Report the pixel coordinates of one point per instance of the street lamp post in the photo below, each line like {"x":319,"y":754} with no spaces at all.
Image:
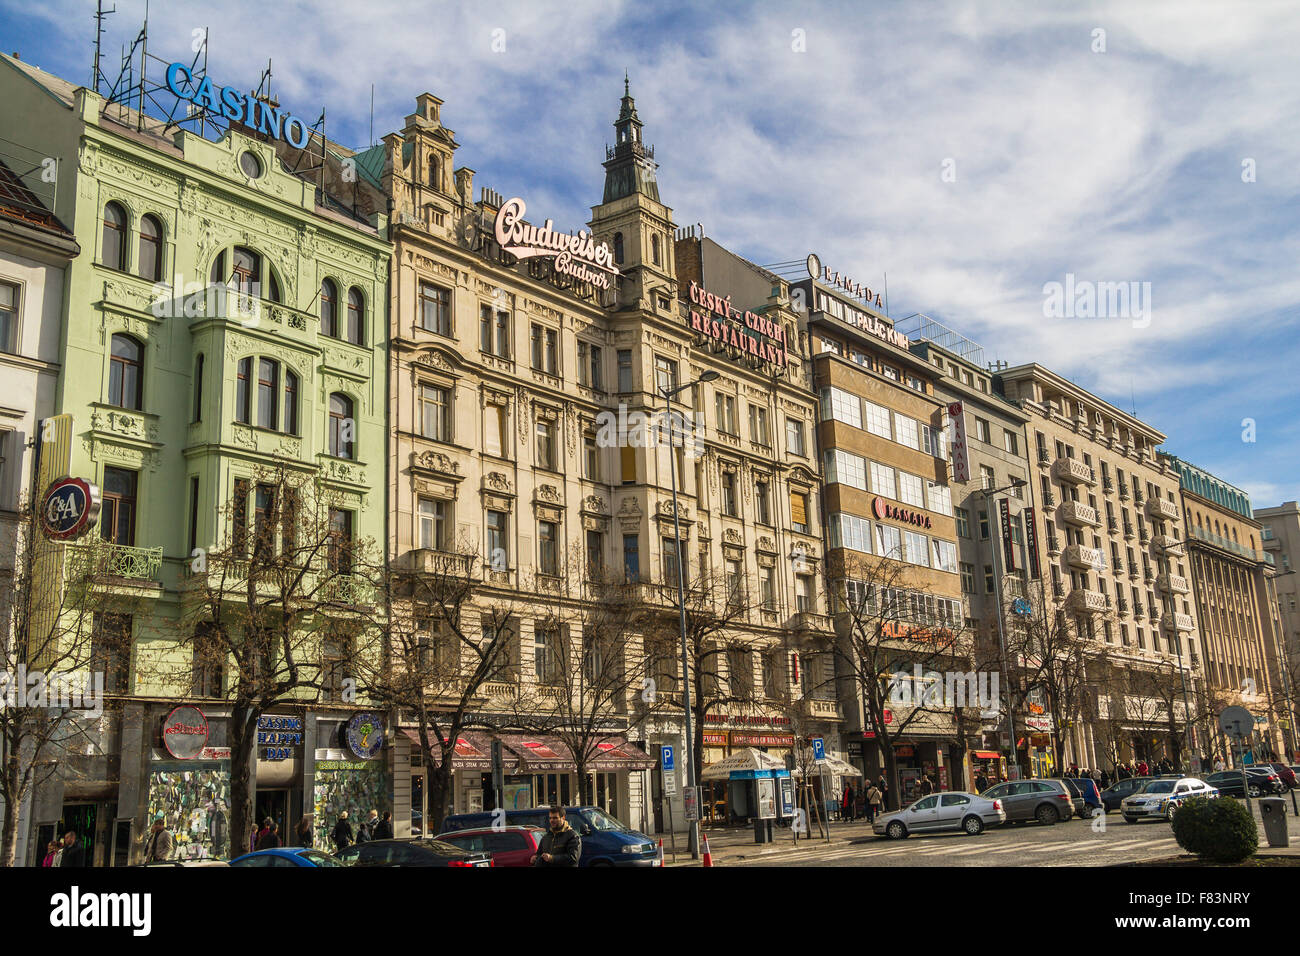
{"x":1288,"y":734}
{"x":997,"y":596}
{"x":693,"y":838}
{"x":1182,"y":671}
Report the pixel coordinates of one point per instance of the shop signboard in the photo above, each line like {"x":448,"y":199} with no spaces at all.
{"x":69,"y":507}
{"x":1008,"y":546}
{"x":365,"y":735}
{"x":766,"y":788}
{"x":1031,"y":543}
{"x":579,"y":255}
{"x":786,"y":786}
{"x":691,"y":800}
{"x":247,"y":108}
{"x":960,"y":452}
{"x":762,"y":740}
{"x":279,"y":735}
{"x":185,"y":732}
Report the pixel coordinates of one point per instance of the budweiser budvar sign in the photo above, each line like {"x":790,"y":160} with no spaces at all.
{"x":576,"y":254}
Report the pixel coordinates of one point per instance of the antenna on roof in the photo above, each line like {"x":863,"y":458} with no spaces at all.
{"x":372,"y":114}
{"x":100,"y":14}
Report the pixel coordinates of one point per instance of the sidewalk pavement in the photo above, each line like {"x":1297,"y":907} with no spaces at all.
{"x":730,"y":843}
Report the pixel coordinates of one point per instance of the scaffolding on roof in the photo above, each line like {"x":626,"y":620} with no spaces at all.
{"x":921,"y":326}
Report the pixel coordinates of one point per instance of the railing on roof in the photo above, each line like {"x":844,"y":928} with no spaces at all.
{"x":921,"y":326}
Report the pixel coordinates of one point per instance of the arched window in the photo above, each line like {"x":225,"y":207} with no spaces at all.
{"x":356,"y":315}
{"x":329,"y":318}
{"x":218,"y":274}
{"x":124,"y":372}
{"x":151,"y":251}
{"x":618,"y":248}
{"x":114,"y":244}
{"x":342,"y":427}
{"x":654,"y":249}
{"x":246,"y":270}
{"x":435,"y":170}
{"x":198,"y":389}
{"x":290,"y":401}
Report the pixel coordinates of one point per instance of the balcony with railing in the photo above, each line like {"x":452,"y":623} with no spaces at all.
{"x":1128,"y":529}
{"x":820,"y":708}
{"x":1078,"y":556}
{"x":1123,"y":492}
{"x":1178,"y":621}
{"x":1165,"y":541}
{"x":1162,"y":508}
{"x":1073,"y":471}
{"x":810,"y":621}
{"x":1173,"y":584}
{"x":1049,"y":499}
{"x":1112,"y":526}
{"x":1107,"y":485}
{"x":1086,"y":601}
{"x":1121,"y":605}
{"x":439,"y":563}
{"x":1053,"y":545}
{"x":106,"y":563}
{"x":1208,"y":537}
{"x":1077,"y":513}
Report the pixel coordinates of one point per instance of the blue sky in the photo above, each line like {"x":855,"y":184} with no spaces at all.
{"x":786,"y":128}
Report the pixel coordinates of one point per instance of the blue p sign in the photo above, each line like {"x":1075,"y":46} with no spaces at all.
{"x":819,"y":748}
{"x":666,"y":754}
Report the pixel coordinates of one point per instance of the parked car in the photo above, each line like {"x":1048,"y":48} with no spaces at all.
{"x":186,"y":863}
{"x":605,"y":841}
{"x":1047,"y":801}
{"x":1161,"y":797}
{"x":1287,"y":774}
{"x":1090,"y":793}
{"x":421,"y":852}
{"x":1117,"y":791}
{"x":955,"y":810}
{"x":1259,"y":782}
{"x":287,"y":856}
{"x":509,"y":846}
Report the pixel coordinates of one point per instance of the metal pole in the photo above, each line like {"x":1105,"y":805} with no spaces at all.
{"x":693,"y":838}
{"x":991,"y":509}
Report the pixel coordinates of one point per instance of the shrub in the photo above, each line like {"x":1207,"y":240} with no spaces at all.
{"x":1221,"y":830}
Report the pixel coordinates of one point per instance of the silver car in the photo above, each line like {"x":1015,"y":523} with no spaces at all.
{"x":956,"y":810}
{"x":1162,"y":796}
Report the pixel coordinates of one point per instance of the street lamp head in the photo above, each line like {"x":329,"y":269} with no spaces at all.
{"x":710,"y":376}
{"x":1018,"y":482}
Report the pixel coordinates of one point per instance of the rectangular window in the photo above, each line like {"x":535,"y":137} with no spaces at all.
{"x":503,"y":334}
{"x":767,"y":587}
{"x":967,"y":578}
{"x":590,"y":457}
{"x":842,"y":406}
{"x":495,"y":432}
{"x":243,"y":393}
{"x":938,"y":497}
{"x":987,"y":478}
{"x":497,"y":541}
{"x":905,"y":431}
{"x":963,"y":522}
{"x":850,"y":531}
{"x":988,"y":578}
{"x":194,"y":506}
{"x":546,"y":547}
{"x":546,"y":654}
{"x":729,"y":496}
{"x":877,"y":419}
{"x":339,"y":552}
{"x":665,"y":375}
{"x":110,"y":650}
{"x":758,"y":425}
{"x":794,"y":437}
{"x":8,"y":317}
{"x":918,"y":548}
{"x":546,"y":445}
{"x":632,"y":557}
{"x":799,"y":512}
{"x":485,"y":324}
{"x":625,"y":370}
{"x":1011,"y":442}
{"x":118,"y":503}
{"x":239,"y":516}
{"x":725,"y":407}
{"x":982,"y":430}
{"x":735,"y":583}
{"x":435,"y":309}
{"x":882,"y":480}
{"x":435,"y":413}
{"x":595,"y":554}
{"x":944,"y":555}
{"x":841,"y":466}
{"x":433,"y":524}
{"x":264,"y":519}
{"x":910,"y":490}
{"x":627,"y":464}
{"x":889,"y":542}
{"x":671,"y":553}
{"x":984,"y":525}
{"x":762,"y":502}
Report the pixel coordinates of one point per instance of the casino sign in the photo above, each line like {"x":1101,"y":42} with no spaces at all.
{"x":68,"y":508}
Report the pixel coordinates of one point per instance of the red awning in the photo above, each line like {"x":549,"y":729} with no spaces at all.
{"x":985,"y":754}
{"x":540,"y":753}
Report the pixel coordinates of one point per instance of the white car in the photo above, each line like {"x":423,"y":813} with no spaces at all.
{"x":1161,"y":797}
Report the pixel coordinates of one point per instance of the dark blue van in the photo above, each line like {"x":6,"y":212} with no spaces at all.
{"x":605,"y":841}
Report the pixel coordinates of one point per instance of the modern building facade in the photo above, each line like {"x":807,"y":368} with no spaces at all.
{"x":1240,"y":629}
{"x":1113,"y":547}
{"x":178,"y":403}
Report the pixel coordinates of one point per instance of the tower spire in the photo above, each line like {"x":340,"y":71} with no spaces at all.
{"x":629,"y":164}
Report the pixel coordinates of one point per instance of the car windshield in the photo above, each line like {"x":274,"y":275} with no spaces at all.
{"x":319,"y":858}
{"x":600,"y":820}
{"x":1160,"y":786}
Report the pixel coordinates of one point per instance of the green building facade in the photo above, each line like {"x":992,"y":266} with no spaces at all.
{"x":179,"y":399}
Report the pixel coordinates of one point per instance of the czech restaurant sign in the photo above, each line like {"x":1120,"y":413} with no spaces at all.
{"x":238,"y":107}
{"x":764,"y":339}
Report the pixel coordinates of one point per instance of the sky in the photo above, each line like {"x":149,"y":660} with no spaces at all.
{"x":971,"y":153}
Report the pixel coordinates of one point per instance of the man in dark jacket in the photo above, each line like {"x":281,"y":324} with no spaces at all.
{"x":342,"y":833}
{"x":384,"y":828}
{"x":561,"y":846}
{"x":73,"y":853}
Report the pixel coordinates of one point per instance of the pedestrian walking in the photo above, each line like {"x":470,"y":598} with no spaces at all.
{"x":261,"y":834}
{"x":306,"y":832}
{"x":51,"y":854}
{"x":884,"y":791}
{"x":365,"y":831}
{"x":927,"y":788}
{"x":981,"y":782}
{"x":874,"y":799}
{"x":219,"y":829}
{"x":161,"y":843}
{"x":270,"y":838}
{"x":561,"y":846}
{"x":846,"y":803}
{"x":1218,"y":764}
{"x":342,"y":833}
{"x":384,"y":828}
{"x":73,"y":854}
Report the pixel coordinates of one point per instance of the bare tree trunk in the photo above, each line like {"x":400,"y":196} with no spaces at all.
{"x":440,"y":790}
{"x":13,"y":805}
{"x":243,"y":741}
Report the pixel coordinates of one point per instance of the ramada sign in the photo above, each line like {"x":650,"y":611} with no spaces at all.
{"x":884,"y":509}
{"x":768,"y":343}
{"x":578,"y":255}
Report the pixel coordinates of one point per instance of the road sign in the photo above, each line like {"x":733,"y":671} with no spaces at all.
{"x":819,"y":748}
{"x":691,"y":799}
{"x":1237,"y":722}
{"x":666,"y":755}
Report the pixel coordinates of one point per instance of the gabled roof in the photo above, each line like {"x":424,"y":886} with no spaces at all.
{"x":20,"y":206}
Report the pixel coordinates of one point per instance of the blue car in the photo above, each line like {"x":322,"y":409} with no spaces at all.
{"x":605,"y":841}
{"x":1091,"y":795}
{"x":286,"y":856}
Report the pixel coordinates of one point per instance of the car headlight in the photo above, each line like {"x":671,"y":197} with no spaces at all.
{"x":638,"y":847}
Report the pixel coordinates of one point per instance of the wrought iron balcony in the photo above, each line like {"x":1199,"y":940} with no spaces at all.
{"x":1123,"y":492}
{"x":106,"y":562}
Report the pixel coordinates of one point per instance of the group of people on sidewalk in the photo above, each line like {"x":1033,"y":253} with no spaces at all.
{"x":372,"y":828}
{"x":864,"y":801}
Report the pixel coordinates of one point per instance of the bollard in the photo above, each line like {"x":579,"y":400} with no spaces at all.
{"x":1273,"y":812}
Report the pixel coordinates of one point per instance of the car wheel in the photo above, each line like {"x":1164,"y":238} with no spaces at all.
{"x":1047,"y":815}
{"x":896,"y":831}
{"x":973,"y":825}
{"x":1254,"y":791}
{"x":1129,"y":819}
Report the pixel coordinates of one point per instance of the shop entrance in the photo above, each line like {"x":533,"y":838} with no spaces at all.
{"x":417,"y":802}
{"x":83,"y":819}
{"x":274,"y":804}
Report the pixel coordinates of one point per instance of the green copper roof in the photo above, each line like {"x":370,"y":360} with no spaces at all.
{"x":370,"y":164}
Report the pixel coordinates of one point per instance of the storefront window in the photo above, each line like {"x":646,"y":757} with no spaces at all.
{"x":193,"y":798}
{"x":357,"y":786}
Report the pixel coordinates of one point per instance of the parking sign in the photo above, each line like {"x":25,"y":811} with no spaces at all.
{"x":819,"y":748}
{"x":667,"y":758}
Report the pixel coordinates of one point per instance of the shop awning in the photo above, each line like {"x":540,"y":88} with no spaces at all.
{"x":540,"y":753}
{"x":833,"y":766}
{"x":984,"y":755}
{"x":746,"y":759}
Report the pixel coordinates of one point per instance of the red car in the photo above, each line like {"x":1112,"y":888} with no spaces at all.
{"x":508,"y":846}
{"x":1285,"y":773}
